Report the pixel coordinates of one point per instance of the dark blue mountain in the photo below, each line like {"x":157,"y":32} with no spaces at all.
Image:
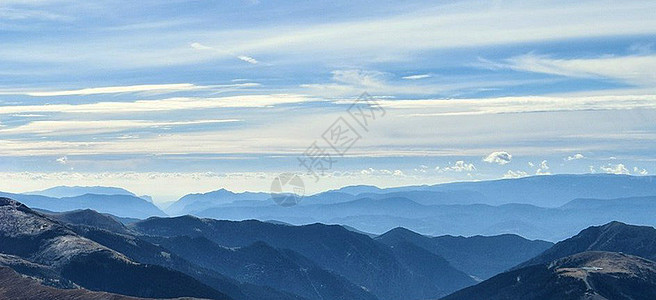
{"x":478,"y":256}
{"x":583,"y":276}
{"x":356,"y":257}
{"x":36,"y":239}
{"x":614,"y":237}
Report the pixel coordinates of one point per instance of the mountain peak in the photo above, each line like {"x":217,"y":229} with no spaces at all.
{"x":614,"y":236}
{"x":587,"y":275}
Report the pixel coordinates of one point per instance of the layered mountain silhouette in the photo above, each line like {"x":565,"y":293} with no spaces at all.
{"x":460,"y":208}
{"x":84,"y":253}
{"x":358,"y":258}
{"x":542,"y":207}
{"x":543,"y":191}
{"x":479,"y":256}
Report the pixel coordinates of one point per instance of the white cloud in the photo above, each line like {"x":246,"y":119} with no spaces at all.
{"x":515,"y":174}
{"x":576,"y":156}
{"x":248,"y":59}
{"x":640,"y":171}
{"x":525,"y":104}
{"x":459,"y":166}
{"x":636,"y":70}
{"x":418,"y":76}
{"x":499,"y":157}
{"x":169,"y":104}
{"x":62,"y":160}
{"x":117,"y":89}
{"x":57,"y":128}
{"x":543,"y":169}
{"x":381,"y":172}
{"x":615,"y":169}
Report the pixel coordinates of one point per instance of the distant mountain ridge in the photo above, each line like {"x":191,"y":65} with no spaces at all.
{"x":550,"y":207}
{"x":118,"y":205}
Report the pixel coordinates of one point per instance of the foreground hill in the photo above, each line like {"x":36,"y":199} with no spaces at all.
{"x":587,"y":275}
{"x":15,"y":286}
{"x":479,"y":256}
{"x":614,"y":236}
{"x":51,"y":252}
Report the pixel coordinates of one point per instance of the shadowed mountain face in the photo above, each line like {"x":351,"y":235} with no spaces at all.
{"x":47,"y":247}
{"x":98,"y":228}
{"x":91,"y":218}
{"x":264,"y":265}
{"x":479,"y":256}
{"x":15,"y":286}
{"x":614,"y":236}
{"x":118,"y":205}
{"x":386,"y":273}
{"x":587,"y":275}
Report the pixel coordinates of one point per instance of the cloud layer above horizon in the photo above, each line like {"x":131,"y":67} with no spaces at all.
{"x":470,"y":90}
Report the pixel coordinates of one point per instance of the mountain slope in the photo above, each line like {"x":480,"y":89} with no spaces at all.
{"x":137,"y":248}
{"x":479,"y":256}
{"x":13,"y":286}
{"x":587,"y":275}
{"x":614,"y":237}
{"x":264,"y":265}
{"x":356,"y":257}
{"x":40,"y":240}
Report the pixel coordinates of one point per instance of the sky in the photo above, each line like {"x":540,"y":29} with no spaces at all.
{"x":167,"y":98}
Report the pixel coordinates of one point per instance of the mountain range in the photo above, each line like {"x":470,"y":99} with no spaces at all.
{"x":567,"y":204}
{"x":540,"y":207}
{"x":87,"y":254}
{"x":121,"y":205}
{"x":226,"y":259}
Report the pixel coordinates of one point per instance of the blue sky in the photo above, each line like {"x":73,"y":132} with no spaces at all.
{"x":167,"y":98}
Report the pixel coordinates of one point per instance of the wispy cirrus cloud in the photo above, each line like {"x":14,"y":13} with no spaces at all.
{"x":632,"y":69}
{"x":418,"y":76}
{"x":248,"y":59}
{"x":78,"y":128}
{"x":115,"y":89}
{"x":160,"y":105}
